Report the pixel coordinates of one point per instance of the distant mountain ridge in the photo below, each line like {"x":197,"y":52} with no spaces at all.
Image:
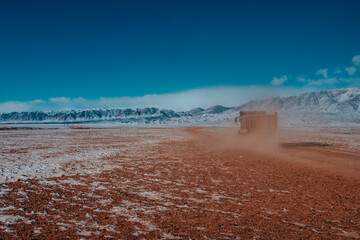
{"x":322,"y":107}
{"x":328,"y":106}
{"x":144,"y":115}
{"x":329,"y":101}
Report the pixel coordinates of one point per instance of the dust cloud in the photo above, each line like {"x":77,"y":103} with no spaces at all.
{"x":310,"y":148}
{"x":228,"y":138}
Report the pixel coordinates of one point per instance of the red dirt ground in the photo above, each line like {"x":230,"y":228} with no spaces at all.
{"x":208,"y":184}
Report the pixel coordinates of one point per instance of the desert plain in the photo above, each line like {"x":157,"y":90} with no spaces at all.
{"x":179,"y":183}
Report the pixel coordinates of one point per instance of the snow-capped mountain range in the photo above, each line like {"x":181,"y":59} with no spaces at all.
{"x":335,"y":106}
{"x":143,"y":115}
{"x":323,"y":107}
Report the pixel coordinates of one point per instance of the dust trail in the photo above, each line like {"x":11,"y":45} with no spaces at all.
{"x":228,"y":138}
{"x":318,"y":154}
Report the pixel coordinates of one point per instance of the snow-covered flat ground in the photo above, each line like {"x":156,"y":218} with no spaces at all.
{"x":174,"y":183}
{"x":55,"y":152}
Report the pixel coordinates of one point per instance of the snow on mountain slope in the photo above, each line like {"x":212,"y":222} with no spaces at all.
{"x":143,"y":116}
{"x":338,"y":106}
{"x":324,"y":107}
{"x":329,"y":101}
{"x":87,"y":115}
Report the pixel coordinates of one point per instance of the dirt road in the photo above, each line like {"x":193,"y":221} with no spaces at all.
{"x":198,"y":183}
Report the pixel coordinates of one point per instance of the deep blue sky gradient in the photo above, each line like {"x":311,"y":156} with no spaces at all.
{"x":95,"y":49}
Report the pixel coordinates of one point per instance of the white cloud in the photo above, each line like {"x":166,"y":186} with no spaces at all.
{"x":318,"y":82}
{"x":356,"y":60}
{"x":38,"y":101}
{"x":329,"y":80}
{"x":180,"y":101}
{"x":354,"y":81}
{"x":323,"y":72}
{"x":279,"y":81}
{"x":60,"y":100}
{"x":350,"y":70}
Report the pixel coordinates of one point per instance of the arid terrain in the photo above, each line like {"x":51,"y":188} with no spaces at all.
{"x":180,"y":183}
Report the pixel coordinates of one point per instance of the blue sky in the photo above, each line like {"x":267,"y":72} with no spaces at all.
{"x":75,"y":54}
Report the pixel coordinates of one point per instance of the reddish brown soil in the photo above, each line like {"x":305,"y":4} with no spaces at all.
{"x":210,"y":184}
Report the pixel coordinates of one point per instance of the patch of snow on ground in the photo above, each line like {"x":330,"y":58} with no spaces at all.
{"x":52,"y":153}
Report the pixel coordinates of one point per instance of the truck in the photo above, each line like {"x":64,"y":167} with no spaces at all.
{"x":257,"y":122}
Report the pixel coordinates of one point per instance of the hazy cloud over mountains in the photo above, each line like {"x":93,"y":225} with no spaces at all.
{"x":180,"y":101}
